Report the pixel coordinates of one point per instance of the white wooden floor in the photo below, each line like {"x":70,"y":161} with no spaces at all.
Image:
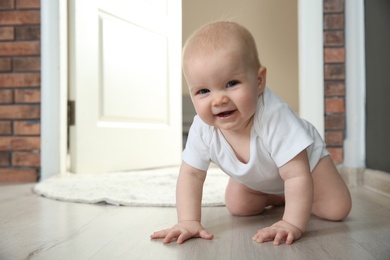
{"x":32,"y":227}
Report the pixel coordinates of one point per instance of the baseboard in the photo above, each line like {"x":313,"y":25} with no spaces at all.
{"x":374,"y":180}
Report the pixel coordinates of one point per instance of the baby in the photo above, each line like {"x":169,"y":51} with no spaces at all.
{"x":271,"y":155}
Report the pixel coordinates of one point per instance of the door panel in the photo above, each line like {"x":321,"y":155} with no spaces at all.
{"x":125,"y":78}
{"x":117,"y":85}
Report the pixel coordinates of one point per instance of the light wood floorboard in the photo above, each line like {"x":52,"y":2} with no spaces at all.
{"x":33,"y":227}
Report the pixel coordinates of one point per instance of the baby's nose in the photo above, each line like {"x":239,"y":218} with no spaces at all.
{"x":220,"y":99}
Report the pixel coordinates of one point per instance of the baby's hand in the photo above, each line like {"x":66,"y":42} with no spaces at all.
{"x":182,"y":231}
{"x":278,"y":232}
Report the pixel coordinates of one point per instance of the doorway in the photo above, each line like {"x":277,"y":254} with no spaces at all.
{"x":125,"y":80}
{"x":54,"y":73}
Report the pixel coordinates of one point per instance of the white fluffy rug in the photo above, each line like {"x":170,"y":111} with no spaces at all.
{"x":142,"y":188}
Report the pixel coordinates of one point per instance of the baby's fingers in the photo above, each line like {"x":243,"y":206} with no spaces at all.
{"x":160,"y":234}
{"x":264,"y":235}
{"x":183,"y":236}
{"x":167,"y":234}
{"x":187,"y":235}
{"x":282,"y":235}
{"x":286,"y":236}
{"x":290,"y":238}
{"x":206,"y":235}
{"x":277,"y":235}
{"x":180,"y":235}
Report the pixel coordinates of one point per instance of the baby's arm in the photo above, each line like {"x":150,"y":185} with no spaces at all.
{"x":188,"y":199}
{"x":298,"y":187}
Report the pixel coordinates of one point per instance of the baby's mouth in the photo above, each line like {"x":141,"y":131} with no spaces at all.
{"x":225,"y":113}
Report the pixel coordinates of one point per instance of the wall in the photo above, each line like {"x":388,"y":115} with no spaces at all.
{"x":274,"y":26}
{"x":334,"y":76}
{"x":377,"y":22}
{"x":19,"y":90}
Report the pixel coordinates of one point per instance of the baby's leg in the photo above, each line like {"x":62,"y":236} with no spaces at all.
{"x":332,"y":199}
{"x":243,"y":201}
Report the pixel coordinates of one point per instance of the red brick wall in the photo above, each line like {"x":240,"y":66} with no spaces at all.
{"x":334,"y":76}
{"x":19,"y":90}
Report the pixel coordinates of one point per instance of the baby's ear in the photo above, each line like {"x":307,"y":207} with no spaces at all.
{"x":261,"y":79}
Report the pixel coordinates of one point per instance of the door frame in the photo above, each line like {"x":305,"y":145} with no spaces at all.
{"x":355,"y":141}
{"x":311,"y":63}
{"x":54,"y":79}
{"x":54,"y":87}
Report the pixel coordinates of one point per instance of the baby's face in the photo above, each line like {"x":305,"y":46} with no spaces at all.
{"x":224,"y":88}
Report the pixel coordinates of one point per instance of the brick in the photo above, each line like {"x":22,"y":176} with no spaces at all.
{"x":334,"y":72}
{"x":5,"y":64}
{"x":333,"y":21}
{"x":27,"y":95}
{"x":12,"y":143}
{"x":5,"y":128}
{"x":26,"y":159}
{"x":27,"y":4}
{"x":5,"y":159}
{"x":19,"y":17}
{"x":27,"y":64}
{"x":7,"y":33}
{"x":333,"y":38}
{"x":6,"y":4}
{"x":334,"y":138}
{"x":20,"y":36}
{"x":334,"y":105}
{"x":335,"y":121}
{"x":6,"y":96}
{"x":28,"y":33}
{"x":20,"y":48}
{"x":32,"y":127}
{"x":19,"y":111}
{"x":334,"y":55}
{"x":336,"y":154}
{"x":12,"y":175}
{"x":333,"y":6}
{"x":20,"y":80}
{"x":334,"y":88}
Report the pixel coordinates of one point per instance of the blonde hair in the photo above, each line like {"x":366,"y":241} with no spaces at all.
{"x":222,"y":34}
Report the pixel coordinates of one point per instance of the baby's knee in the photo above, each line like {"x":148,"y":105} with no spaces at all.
{"x":343,"y":209}
{"x":335,"y":210}
{"x":241,"y":210}
{"x":241,"y":201}
{"x":339,"y":215}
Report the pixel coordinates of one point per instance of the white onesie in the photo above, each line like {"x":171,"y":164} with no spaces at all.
{"x":277,"y":136}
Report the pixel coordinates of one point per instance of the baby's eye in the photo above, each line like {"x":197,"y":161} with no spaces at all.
{"x":203,"y":91}
{"x":231,"y":83}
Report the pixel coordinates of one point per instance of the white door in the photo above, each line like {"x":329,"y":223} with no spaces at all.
{"x":125,"y":79}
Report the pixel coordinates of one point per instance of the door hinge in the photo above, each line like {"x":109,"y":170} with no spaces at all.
{"x":71,"y":113}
